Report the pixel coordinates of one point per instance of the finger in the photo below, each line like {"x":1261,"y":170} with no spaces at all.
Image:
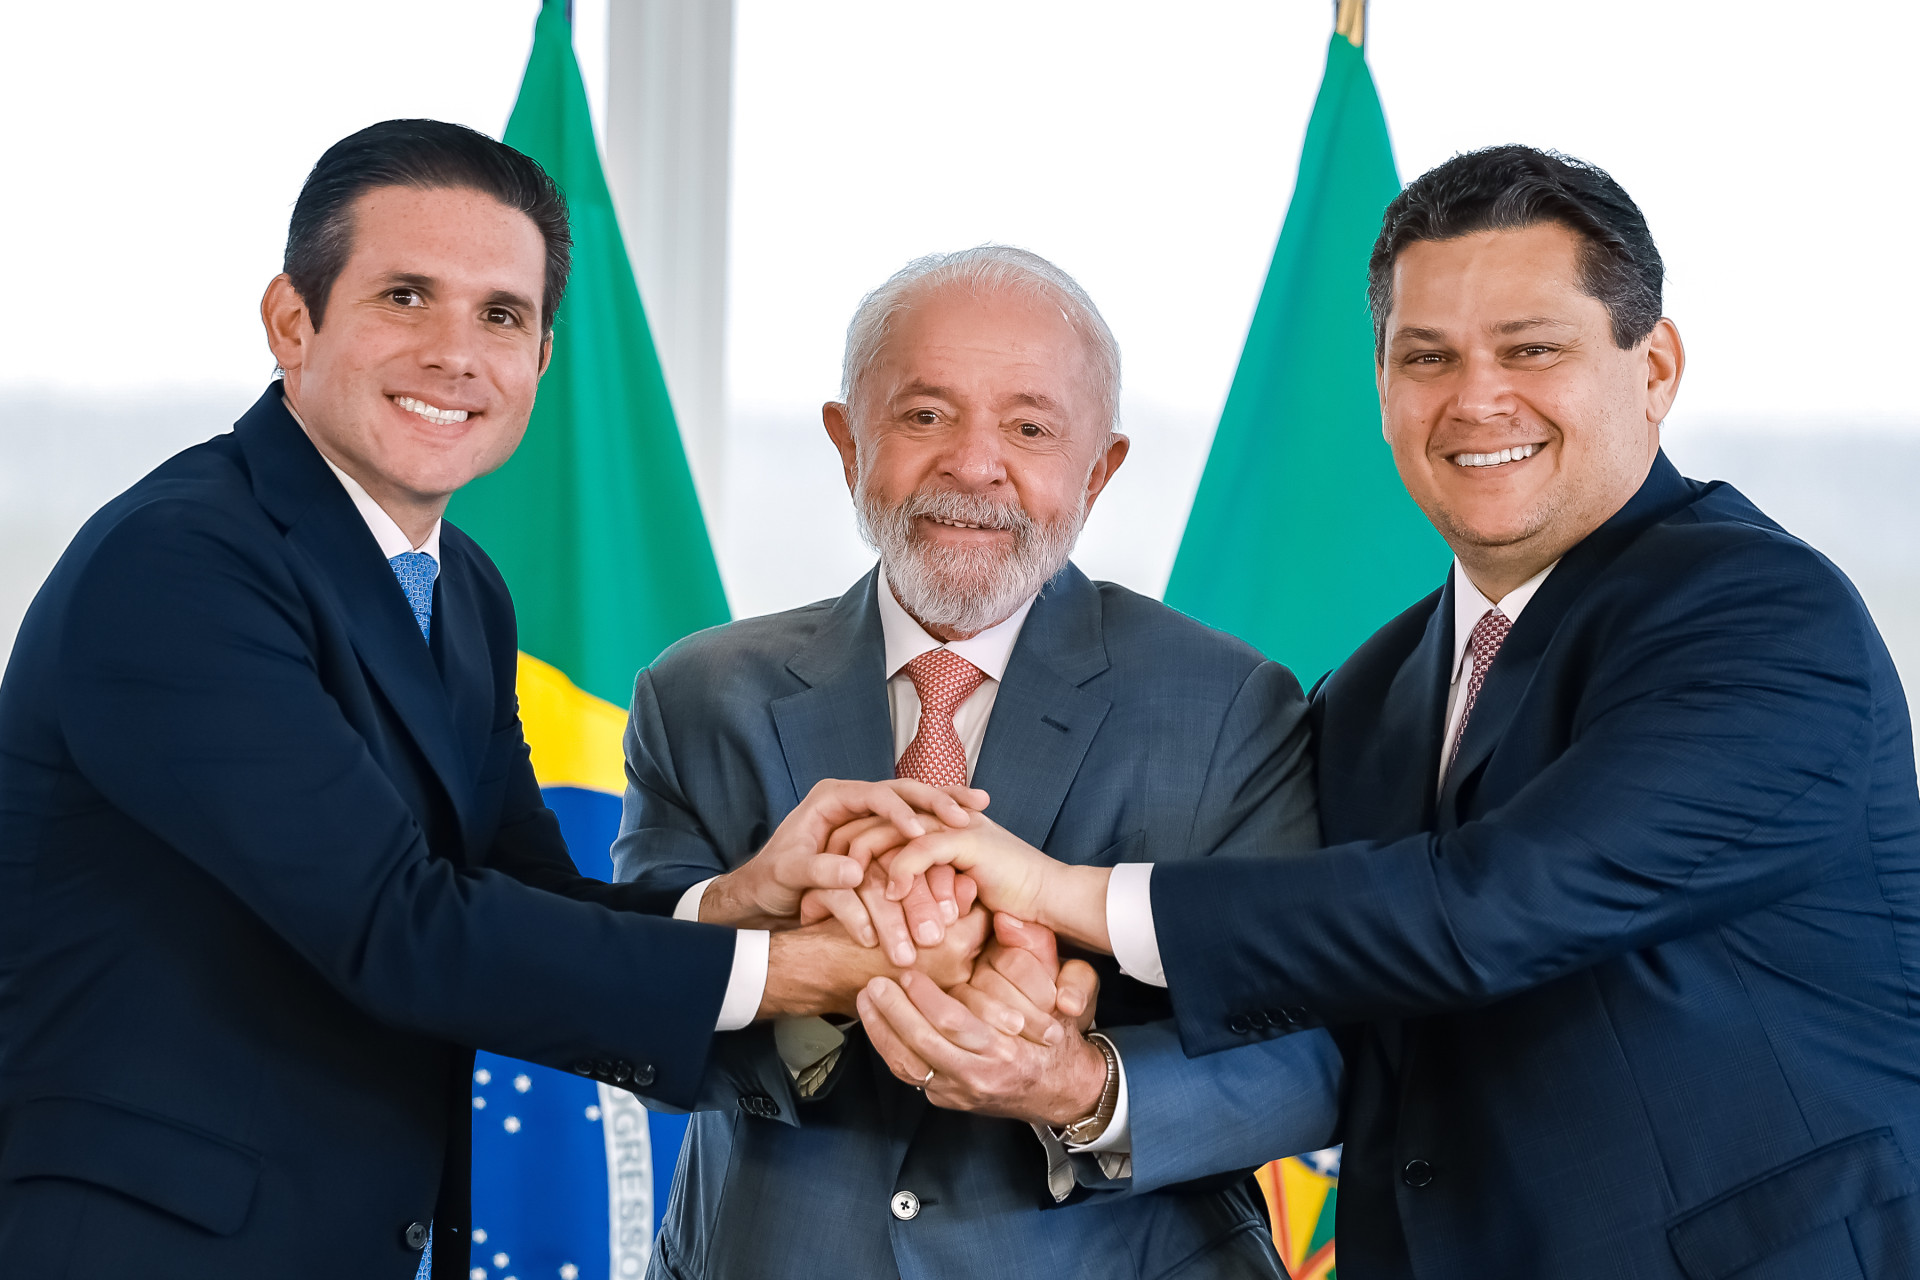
{"x":927,"y":851}
{"x":940,"y":884}
{"x":900,"y":1060}
{"x":1079,"y":992}
{"x":875,"y":842}
{"x":1003,"y":1018}
{"x":919,"y":1036}
{"x":923,"y":913}
{"x":845,"y":906}
{"x":1036,"y":940}
{"x":953,"y":1019}
{"x":826,"y":871}
{"x":843,"y":836}
{"x":889,"y":919}
{"x":965,"y":892}
{"x":1024,"y":970}
{"x":944,"y":803}
{"x":1035,"y":1021}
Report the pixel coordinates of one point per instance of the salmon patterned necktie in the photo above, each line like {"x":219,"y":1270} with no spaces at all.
{"x":944,"y":680}
{"x":1488,"y":635}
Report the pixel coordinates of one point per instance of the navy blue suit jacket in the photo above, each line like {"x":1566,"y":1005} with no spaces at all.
{"x":1120,"y":727}
{"x":265,"y":859}
{"x":1639,"y":993}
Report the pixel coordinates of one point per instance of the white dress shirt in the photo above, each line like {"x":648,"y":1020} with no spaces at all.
{"x":1136,"y":944}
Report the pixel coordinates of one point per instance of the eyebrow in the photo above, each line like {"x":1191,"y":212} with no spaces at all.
{"x":1416,"y":333}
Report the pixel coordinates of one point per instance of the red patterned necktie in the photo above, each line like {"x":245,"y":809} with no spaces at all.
{"x":943,"y":679}
{"x":1488,"y":635}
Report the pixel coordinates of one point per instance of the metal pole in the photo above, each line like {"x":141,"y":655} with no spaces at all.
{"x":1350,"y":20}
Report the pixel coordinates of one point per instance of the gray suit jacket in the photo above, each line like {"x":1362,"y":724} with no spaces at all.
{"x":1122,"y":731}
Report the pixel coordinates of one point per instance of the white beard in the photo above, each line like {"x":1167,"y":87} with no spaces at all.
{"x":965,"y":590}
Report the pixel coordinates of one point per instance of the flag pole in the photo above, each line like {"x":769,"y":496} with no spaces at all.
{"x":1350,"y":20}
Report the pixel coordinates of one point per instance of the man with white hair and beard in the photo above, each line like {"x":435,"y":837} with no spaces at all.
{"x":976,"y":429}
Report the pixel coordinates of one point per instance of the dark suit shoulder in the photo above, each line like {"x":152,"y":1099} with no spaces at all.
{"x":202,"y":492}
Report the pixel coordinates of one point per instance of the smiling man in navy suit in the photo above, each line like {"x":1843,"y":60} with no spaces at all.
{"x":1619,"y":926}
{"x":272,"y":857}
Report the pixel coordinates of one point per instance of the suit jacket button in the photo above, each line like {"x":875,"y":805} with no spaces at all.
{"x":1416,"y":1173}
{"x":622,"y":1072}
{"x":415,"y":1236}
{"x":643,"y":1075}
{"x":1239,"y":1024}
{"x":905,"y":1205}
{"x":1296,"y":1014}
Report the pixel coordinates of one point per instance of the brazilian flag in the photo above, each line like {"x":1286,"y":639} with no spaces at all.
{"x":597,"y":528}
{"x":1302,"y":540}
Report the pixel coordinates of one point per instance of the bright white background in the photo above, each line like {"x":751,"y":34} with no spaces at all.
{"x":155,"y":151}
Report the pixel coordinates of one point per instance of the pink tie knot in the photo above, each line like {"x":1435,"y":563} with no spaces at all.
{"x":944,"y":680}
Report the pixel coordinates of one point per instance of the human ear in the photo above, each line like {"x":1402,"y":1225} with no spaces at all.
{"x":283,"y":312}
{"x":1106,"y":464}
{"x":1666,"y":362}
{"x":546,"y":355}
{"x":839,"y":426}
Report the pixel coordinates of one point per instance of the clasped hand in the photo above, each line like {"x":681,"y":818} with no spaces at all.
{"x":992,"y":1025}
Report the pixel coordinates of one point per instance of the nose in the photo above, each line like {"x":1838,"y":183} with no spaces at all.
{"x":974,"y":459}
{"x":449,"y":343}
{"x":1484,"y":392}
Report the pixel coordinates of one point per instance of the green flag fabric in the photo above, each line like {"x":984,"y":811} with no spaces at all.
{"x":1301,"y":539}
{"x":596,"y":526}
{"x":594,"y":521}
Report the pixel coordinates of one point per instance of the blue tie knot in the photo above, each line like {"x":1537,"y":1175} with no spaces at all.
{"x":416,"y":571}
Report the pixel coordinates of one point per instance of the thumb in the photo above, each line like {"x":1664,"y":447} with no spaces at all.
{"x":1015,"y":932}
{"x":1079,"y":988}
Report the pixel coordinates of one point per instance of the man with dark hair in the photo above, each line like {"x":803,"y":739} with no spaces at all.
{"x":1619,"y":927}
{"x":272,"y":856}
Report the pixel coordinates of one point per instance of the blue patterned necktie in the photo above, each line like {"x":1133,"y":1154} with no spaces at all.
{"x":416,"y":571}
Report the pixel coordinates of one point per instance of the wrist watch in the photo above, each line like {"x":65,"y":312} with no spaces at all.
{"x":1081,"y":1132}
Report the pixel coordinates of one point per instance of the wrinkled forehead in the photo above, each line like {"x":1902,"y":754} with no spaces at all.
{"x":1005,"y":345}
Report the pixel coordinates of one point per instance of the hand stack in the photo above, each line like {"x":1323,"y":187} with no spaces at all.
{"x":975,"y":1007}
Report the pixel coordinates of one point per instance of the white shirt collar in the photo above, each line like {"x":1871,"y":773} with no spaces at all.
{"x":1469,"y":606}
{"x":906,"y":639}
{"x":393,"y":541}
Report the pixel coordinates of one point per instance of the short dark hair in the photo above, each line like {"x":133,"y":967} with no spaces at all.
{"x":1511,"y":187}
{"x":426,"y":155}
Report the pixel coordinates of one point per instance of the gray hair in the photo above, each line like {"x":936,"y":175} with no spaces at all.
{"x":985,"y":269}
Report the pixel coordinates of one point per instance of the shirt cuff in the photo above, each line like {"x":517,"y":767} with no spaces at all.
{"x":688,"y":908}
{"x":1136,"y":944}
{"x":1118,"y":1135}
{"x":749,"y":981}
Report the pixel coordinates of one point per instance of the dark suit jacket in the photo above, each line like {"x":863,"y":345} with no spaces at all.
{"x":1640,"y":994}
{"x":1121,"y":726}
{"x":261,"y":863}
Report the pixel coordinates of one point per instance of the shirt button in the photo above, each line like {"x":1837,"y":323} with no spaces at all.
{"x":1416,"y":1173}
{"x":905,"y":1206}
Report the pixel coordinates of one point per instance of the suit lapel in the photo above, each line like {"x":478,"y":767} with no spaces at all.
{"x":1043,"y":721}
{"x":839,"y":726}
{"x":1663,"y":492}
{"x":1412,"y":725}
{"x":465,"y":665}
{"x":296,"y":488}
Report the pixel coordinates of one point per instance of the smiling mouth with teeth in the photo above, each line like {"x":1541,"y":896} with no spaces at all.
{"x":432,"y":413}
{"x":1495,"y":459}
{"x":957,"y":524}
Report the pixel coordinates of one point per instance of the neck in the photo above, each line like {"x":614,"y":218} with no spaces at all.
{"x":415,"y":515}
{"x":1496,"y":579}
